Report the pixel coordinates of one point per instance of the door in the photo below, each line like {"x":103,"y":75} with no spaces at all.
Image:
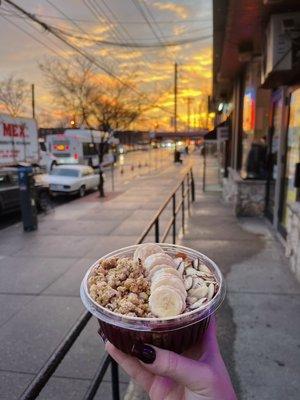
{"x":273,"y":154}
{"x":290,"y":193}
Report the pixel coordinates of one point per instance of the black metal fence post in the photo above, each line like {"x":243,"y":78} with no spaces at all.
{"x":182,"y":206}
{"x":92,"y":390}
{"x":174,"y":217}
{"x":115,"y":380}
{"x":157,"y":230}
{"x":192,"y":185}
{"x":204,"y":168}
{"x":188,"y":192}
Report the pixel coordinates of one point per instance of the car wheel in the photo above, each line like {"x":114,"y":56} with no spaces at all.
{"x":82,"y":191}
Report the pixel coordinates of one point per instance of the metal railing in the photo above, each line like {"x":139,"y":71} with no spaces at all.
{"x":186,"y":191}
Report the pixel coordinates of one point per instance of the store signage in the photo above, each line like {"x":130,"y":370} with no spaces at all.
{"x":14,"y":130}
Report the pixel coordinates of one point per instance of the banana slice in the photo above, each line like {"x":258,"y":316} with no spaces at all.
{"x":165,"y":302}
{"x":163,"y":269}
{"x":183,"y":296}
{"x":158,"y":259}
{"x":145,"y":250}
{"x":168,"y":280}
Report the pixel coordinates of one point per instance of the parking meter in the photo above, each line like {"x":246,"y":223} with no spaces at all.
{"x":27,"y":198}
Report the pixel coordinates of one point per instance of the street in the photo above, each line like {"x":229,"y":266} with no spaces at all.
{"x":129,"y":166}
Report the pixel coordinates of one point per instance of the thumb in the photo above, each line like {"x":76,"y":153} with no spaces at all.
{"x":179,"y":368}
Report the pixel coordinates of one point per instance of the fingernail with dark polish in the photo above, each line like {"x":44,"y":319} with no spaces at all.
{"x":144,"y":353}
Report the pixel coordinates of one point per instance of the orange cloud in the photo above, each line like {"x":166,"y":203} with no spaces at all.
{"x":180,"y":10}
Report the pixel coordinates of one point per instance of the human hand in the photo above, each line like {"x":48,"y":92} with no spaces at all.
{"x":197,"y":374}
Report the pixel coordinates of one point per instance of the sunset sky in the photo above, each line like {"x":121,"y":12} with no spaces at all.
{"x":122,"y":21}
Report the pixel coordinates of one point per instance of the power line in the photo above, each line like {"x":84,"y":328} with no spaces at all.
{"x":74,"y":23}
{"x":30,"y":35}
{"x":135,"y":45}
{"x":49,"y":29}
{"x":37,"y":30}
{"x":125,"y":22}
{"x":99,"y":13}
{"x":144,"y":15}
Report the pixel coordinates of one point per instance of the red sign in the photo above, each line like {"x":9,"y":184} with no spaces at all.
{"x":13,"y":130}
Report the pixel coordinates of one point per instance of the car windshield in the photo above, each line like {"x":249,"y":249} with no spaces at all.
{"x":65,"y":172}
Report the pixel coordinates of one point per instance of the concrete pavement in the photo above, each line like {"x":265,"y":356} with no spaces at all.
{"x":259,"y":322}
{"x":40,"y":274}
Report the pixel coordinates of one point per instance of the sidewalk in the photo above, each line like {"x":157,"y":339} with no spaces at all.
{"x":40,"y":274}
{"x":259,"y":322}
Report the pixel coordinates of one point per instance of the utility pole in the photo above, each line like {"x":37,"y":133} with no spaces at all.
{"x":188,"y":113}
{"x":207,"y":110}
{"x":32,"y":100}
{"x":195,"y":121}
{"x":175,"y":98}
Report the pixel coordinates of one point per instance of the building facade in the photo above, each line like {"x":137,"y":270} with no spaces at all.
{"x":256,"y":80}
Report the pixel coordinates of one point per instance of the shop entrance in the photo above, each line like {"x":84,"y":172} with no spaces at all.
{"x":274,"y":140}
{"x":290,"y":191}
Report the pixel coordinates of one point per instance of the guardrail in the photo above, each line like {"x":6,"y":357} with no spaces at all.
{"x":186,"y":189}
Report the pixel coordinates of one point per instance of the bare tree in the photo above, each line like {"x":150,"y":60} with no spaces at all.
{"x":72,"y":88}
{"x":95,"y":100}
{"x":13,"y":94}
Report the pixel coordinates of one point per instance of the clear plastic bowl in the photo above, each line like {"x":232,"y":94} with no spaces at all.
{"x":172,"y":333}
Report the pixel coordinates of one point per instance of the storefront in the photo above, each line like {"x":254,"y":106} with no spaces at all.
{"x":291,"y":190}
{"x":256,"y":68}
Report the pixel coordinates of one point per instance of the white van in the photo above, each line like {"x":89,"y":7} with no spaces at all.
{"x":74,"y":146}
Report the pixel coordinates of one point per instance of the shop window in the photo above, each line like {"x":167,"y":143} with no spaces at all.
{"x":291,"y":193}
{"x":254,"y":133}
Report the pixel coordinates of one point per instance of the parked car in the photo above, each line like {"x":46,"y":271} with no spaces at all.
{"x":72,"y":179}
{"x":10,"y":194}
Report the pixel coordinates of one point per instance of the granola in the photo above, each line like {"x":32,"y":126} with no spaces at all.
{"x":120,"y":285}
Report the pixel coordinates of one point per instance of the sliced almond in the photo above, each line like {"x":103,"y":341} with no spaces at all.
{"x":191,"y":300}
{"x":197,"y":281}
{"x":199,"y":292}
{"x":177,"y":261}
{"x":181,"y":267}
{"x":198,"y":303}
{"x":191,"y":271}
{"x":205,"y":269}
{"x":210,"y":291}
{"x":196,"y":263}
{"x":188,"y":282}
